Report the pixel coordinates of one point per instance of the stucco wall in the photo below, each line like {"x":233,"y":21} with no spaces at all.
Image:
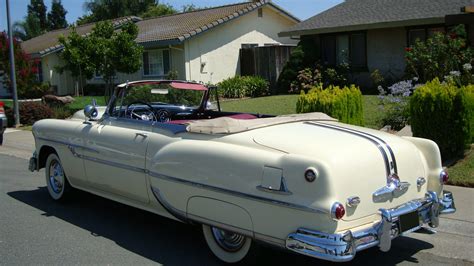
{"x":219,"y":48}
{"x":64,"y":82}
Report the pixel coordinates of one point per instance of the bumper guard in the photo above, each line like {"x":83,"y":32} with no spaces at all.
{"x":343,"y":246}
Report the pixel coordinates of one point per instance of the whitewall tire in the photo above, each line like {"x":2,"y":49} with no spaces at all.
{"x":227,"y":246}
{"x":56,"y":180}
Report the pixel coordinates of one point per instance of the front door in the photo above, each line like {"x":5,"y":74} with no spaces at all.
{"x":115,"y":158}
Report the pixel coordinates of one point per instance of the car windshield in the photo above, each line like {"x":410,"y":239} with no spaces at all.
{"x":163,"y":94}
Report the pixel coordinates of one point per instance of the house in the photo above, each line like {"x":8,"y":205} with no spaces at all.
{"x":373,"y":34}
{"x":201,"y":45}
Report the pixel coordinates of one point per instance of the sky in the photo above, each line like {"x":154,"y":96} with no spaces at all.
{"x":302,"y":9}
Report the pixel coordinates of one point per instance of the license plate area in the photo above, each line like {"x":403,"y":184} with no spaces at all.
{"x":409,"y":222}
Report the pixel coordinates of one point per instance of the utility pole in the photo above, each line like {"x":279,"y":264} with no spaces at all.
{"x":12,"y":68}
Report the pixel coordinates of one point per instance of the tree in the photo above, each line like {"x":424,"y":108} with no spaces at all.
{"x":110,"y":9}
{"x":25,"y":67}
{"x":57,"y":16}
{"x":104,"y":51}
{"x":37,"y":8}
{"x":28,"y":28}
{"x":34,"y":23}
{"x":159,"y":10}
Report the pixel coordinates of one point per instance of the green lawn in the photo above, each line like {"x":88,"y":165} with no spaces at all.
{"x":462,"y":173}
{"x":286,"y":104}
{"x":80,"y":102}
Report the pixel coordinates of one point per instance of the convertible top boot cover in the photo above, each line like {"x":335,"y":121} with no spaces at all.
{"x":226,"y":125}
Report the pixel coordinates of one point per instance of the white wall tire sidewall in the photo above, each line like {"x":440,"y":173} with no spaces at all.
{"x":228,"y":257}
{"x":52,"y":193}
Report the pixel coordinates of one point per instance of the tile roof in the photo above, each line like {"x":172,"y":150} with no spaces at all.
{"x":360,"y":14}
{"x":164,"y":30}
{"x":48,"y":42}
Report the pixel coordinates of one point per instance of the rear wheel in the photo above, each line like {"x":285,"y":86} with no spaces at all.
{"x":228,"y":246}
{"x":56,"y":181}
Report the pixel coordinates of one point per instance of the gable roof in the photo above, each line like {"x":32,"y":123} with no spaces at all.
{"x":370,"y":14}
{"x":163,"y":30}
{"x":48,"y":42}
{"x":176,"y":28}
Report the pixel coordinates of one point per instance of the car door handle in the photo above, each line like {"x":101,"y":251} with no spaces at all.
{"x":141,"y":134}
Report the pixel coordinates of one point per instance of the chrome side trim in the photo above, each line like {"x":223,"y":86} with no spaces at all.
{"x":359,"y":134}
{"x":180,"y":215}
{"x":106,"y":162}
{"x":237,"y":194}
{"x":69,"y":144}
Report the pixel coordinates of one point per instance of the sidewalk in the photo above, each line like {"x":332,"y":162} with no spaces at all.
{"x":18,"y":143}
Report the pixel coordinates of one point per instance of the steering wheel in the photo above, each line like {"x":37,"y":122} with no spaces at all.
{"x":163,"y":115}
{"x":148,"y":115}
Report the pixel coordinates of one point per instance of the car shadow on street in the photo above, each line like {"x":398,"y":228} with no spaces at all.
{"x":170,"y":242}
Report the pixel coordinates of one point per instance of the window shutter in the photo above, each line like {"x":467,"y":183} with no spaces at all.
{"x":166,"y":61}
{"x":146,"y":65}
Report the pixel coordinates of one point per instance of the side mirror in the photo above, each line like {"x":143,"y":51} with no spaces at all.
{"x":90,"y":111}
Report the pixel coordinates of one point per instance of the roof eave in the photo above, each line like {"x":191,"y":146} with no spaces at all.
{"x":372,"y":26}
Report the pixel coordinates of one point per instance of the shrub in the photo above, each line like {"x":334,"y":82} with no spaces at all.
{"x":344,"y":104}
{"x":309,"y":78}
{"x":394,"y":101}
{"x":30,"y":112}
{"x":303,"y":56}
{"x":34,"y":91}
{"x":441,"y":55}
{"x":443,"y":113}
{"x":246,"y":86}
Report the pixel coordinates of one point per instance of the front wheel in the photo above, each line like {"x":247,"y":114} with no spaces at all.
{"x":56,"y":181}
{"x":228,"y":246}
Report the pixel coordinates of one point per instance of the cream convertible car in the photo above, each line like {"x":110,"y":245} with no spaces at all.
{"x":305,"y":183}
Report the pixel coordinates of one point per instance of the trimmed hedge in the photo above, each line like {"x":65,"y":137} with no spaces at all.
{"x":30,"y":112}
{"x":246,"y":86}
{"x":445,"y":114}
{"x":344,"y":104}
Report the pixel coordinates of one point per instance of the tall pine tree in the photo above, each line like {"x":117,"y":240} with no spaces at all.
{"x":37,"y":8}
{"x":57,"y":16}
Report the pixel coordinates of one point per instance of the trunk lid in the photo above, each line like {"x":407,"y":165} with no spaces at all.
{"x":357,"y":158}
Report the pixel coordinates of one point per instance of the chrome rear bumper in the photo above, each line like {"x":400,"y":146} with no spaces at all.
{"x":343,"y":246}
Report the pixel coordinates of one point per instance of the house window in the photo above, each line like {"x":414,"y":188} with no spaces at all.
{"x":260,"y":13}
{"x":156,"y":62}
{"x":421,"y":34}
{"x":416,"y":35}
{"x":348,"y":48}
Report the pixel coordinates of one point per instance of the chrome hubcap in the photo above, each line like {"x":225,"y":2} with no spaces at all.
{"x":229,"y":241}
{"x":56,"y":177}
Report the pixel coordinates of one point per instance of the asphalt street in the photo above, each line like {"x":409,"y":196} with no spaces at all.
{"x":91,"y":230}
